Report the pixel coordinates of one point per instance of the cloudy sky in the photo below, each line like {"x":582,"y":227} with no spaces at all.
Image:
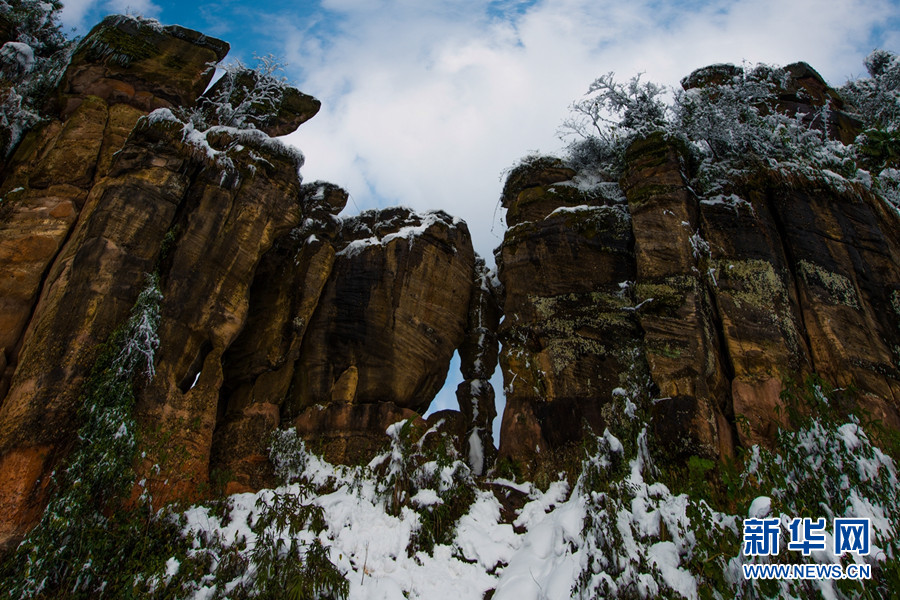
{"x":425,"y":103}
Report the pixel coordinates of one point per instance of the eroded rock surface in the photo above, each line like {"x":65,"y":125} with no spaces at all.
{"x":723,"y":302}
{"x":276,"y":312}
{"x":569,"y":331}
{"x":96,"y":200}
{"x":391,"y":315}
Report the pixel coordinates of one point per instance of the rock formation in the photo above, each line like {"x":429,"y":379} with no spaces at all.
{"x":366,"y":342}
{"x":276,"y":312}
{"x":77,"y":235}
{"x":566,"y":264}
{"x":721,"y":301}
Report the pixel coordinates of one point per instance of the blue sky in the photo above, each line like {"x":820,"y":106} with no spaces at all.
{"x":425,"y":103}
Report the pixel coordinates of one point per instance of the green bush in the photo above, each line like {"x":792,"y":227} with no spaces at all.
{"x":87,"y":545}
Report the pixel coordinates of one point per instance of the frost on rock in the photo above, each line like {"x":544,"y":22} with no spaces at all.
{"x":888,"y":186}
{"x":732,"y":122}
{"x":228,"y":149}
{"x":732,"y":201}
{"x":381,"y":227}
{"x":15,"y":119}
{"x":31,"y":63}
{"x":254,"y":98}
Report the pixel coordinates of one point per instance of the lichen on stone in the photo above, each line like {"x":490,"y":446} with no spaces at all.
{"x":575,"y":325}
{"x":668,"y":294}
{"x":751,"y":281}
{"x":840,"y":289}
{"x":564,"y":352}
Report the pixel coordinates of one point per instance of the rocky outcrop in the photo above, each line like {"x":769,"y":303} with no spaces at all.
{"x":67,"y":278}
{"x":198,"y":208}
{"x":676,"y":315}
{"x":273,"y":310}
{"x":259,"y":366}
{"x":126,"y":60}
{"x":276,"y":312}
{"x":46,"y":181}
{"x":349,"y":331}
{"x":390,"y":317}
{"x":721,"y":301}
{"x":801,"y":91}
{"x":247,"y":97}
{"x":163,"y":207}
{"x":206,"y":275}
{"x":569,"y":330}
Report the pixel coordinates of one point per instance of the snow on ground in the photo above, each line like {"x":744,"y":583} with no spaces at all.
{"x":631,"y":535}
{"x":370,"y":546}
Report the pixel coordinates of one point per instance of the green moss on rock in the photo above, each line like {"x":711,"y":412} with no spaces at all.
{"x":121,"y":41}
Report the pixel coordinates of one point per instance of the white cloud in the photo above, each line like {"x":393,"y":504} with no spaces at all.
{"x":74,"y":12}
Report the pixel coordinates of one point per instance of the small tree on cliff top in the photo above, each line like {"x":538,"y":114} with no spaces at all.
{"x":245,"y":97}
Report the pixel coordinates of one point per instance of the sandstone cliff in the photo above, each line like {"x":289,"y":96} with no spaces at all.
{"x":273,"y":310}
{"x":710,"y":303}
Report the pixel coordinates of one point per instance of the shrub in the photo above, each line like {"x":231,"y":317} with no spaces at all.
{"x":86,"y":544}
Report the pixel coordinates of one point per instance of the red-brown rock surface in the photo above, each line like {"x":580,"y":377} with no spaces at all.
{"x":141,"y":63}
{"x":390,"y":317}
{"x":268,"y":308}
{"x":92,"y":204}
{"x":569,"y":328}
{"x":730,"y":299}
{"x":275,"y":312}
{"x":677,"y":316}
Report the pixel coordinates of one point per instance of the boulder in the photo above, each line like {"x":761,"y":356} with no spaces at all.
{"x":391,"y":315}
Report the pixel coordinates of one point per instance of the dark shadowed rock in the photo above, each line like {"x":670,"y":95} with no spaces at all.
{"x":394,"y":308}
{"x":478,"y":355}
{"x":259,"y":365}
{"x":391,"y":315}
{"x":350,"y":433}
{"x":719,"y":74}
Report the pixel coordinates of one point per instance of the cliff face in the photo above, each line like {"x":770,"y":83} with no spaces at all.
{"x":717,"y":303}
{"x":276,"y":313}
